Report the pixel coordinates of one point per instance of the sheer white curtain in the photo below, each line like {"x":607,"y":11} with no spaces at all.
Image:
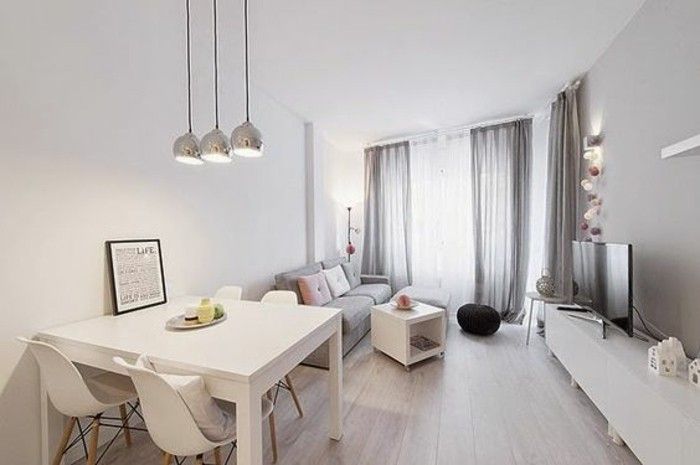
{"x":442,"y":239}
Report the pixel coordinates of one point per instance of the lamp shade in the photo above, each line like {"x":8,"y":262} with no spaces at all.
{"x":186,"y":149}
{"x":247,"y":141}
{"x":216,"y":147}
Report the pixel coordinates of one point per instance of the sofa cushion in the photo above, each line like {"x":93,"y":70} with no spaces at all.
{"x":337,"y":282}
{"x":355,"y":309}
{"x":314,"y":289}
{"x":380,"y":293}
{"x":426,"y":295}
{"x":352,"y":273}
{"x":333,"y":262}
{"x":288,"y":281}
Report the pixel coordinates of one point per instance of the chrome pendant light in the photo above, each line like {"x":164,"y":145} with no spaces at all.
{"x":215,"y":145}
{"x":246,"y":138}
{"x":186,"y":147}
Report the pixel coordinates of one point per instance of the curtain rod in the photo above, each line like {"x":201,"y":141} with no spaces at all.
{"x":439,"y":132}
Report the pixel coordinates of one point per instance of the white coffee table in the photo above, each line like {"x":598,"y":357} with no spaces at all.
{"x":392,"y":330}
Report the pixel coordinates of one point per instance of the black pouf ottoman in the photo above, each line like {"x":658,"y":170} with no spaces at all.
{"x":478,"y":319}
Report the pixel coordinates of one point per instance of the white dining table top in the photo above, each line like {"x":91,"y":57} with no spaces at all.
{"x":253,"y":336}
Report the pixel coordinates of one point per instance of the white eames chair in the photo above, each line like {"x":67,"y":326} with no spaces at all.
{"x":229,"y":292}
{"x":170,"y":422}
{"x":280,"y":297}
{"x":77,"y":397}
{"x":284,"y":298}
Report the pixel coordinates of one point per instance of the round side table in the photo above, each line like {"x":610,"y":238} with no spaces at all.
{"x":536,"y":296}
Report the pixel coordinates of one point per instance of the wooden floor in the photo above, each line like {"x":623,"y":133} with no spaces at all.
{"x":489,"y":401}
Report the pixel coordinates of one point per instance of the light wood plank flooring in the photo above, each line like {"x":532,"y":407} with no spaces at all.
{"x":490,"y":401}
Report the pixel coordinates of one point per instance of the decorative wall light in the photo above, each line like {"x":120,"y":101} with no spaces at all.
{"x":215,"y":145}
{"x":246,"y":138}
{"x":587,"y":185}
{"x":592,"y":153}
{"x":186,"y":147}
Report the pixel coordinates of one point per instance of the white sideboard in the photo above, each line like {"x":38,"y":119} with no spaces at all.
{"x":658,"y":417}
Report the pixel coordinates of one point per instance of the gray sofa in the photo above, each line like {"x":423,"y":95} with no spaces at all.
{"x":356,"y":304}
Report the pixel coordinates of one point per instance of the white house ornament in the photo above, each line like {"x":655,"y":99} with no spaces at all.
{"x":663,"y":358}
{"x":694,"y":373}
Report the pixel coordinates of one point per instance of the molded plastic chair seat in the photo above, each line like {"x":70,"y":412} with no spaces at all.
{"x":280,"y":297}
{"x":70,"y":392}
{"x":111,"y":388}
{"x":170,"y":421}
{"x":229,"y":292}
{"x":284,"y":298}
{"x":76,"y":396}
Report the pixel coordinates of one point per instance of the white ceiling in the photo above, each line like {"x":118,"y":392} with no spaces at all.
{"x":362,"y":70}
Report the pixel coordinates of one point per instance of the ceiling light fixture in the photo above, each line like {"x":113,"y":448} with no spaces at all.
{"x":186,"y":147}
{"x":246,"y":138}
{"x":215,"y":145}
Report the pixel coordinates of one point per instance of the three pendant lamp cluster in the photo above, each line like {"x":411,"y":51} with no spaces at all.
{"x":215,"y":147}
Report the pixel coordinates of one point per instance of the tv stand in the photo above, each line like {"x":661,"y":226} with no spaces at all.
{"x":592,"y":318}
{"x":657,"y":417}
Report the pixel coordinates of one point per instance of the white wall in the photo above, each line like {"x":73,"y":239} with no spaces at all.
{"x":92,"y":97}
{"x":342,"y":172}
{"x":643,"y":94}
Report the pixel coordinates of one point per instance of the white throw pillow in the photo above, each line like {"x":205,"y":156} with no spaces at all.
{"x":214,"y":423}
{"x":337,"y":282}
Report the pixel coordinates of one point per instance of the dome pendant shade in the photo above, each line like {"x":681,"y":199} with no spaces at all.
{"x":186,"y":149}
{"x":216,"y":147}
{"x":247,"y":141}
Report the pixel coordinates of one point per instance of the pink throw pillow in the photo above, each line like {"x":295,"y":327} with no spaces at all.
{"x":314,"y":289}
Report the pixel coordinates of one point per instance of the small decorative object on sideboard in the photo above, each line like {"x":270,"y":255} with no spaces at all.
{"x":694,"y":373}
{"x":667,"y":357}
{"x":545,"y":285}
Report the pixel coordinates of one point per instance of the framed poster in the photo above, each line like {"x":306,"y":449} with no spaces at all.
{"x":136,"y":274}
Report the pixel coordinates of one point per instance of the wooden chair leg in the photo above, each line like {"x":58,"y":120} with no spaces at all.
{"x":217,"y":456}
{"x":67,"y":430}
{"x":288,"y":382}
{"x":92,"y":448}
{"x":199,"y":460}
{"x":125,"y":424}
{"x":273,"y":436}
{"x":167,"y":458}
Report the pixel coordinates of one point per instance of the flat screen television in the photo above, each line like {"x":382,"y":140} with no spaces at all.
{"x":603,"y":282}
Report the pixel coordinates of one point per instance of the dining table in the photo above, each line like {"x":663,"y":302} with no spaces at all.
{"x":240,"y":358}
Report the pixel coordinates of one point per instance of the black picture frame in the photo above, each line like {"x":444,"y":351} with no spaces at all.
{"x":119,"y":305}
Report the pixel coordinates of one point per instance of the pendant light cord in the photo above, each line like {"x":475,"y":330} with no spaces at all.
{"x":216,"y":66}
{"x":247,"y":70}
{"x":189,"y":72}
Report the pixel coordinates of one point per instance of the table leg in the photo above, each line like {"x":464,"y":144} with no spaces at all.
{"x":51,"y":426}
{"x":249,"y":425}
{"x":335,"y":382}
{"x":529,"y":322}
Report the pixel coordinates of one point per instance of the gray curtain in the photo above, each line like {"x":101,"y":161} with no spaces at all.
{"x":563,"y":158}
{"x":501,"y":158}
{"x":387,"y":241}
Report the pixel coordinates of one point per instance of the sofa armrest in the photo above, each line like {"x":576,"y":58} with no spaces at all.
{"x":374,"y":279}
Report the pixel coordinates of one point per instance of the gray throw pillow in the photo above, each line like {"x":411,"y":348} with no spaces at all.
{"x":352,"y":274}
